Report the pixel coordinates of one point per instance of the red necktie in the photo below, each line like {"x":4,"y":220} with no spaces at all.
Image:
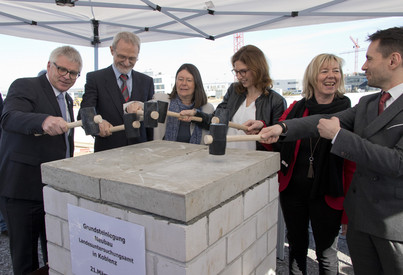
{"x":124,"y":89}
{"x":384,"y":97}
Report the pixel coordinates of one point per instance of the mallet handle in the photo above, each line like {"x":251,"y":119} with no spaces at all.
{"x":177,"y":115}
{"x":78,"y":123}
{"x":231,"y":124}
{"x":136,"y":124}
{"x":208,"y":139}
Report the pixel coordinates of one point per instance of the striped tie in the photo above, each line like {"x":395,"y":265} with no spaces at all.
{"x":123,"y":89}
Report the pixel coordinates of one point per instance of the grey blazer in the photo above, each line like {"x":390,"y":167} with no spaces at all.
{"x":374,"y":201}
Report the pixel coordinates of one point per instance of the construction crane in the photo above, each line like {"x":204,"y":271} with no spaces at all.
{"x":357,"y":49}
{"x":238,"y":41}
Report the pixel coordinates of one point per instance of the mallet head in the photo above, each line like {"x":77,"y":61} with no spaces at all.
{"x":131,"y":129}
{"x":162,"y":110}
{"x":150,"y":108}
{"x":218,"y":133}
{"x":87,"y":117}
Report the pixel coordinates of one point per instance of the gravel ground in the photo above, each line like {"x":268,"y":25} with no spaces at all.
{"x":345,"y":266}
{"x":5,"y":258}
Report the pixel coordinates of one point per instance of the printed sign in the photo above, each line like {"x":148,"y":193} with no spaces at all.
{"x":104,"y":245}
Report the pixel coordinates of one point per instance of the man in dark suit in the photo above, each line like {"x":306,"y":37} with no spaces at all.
{"x":370,"y":134}
{"x":103,"y":90}
{"x":33,"y":106}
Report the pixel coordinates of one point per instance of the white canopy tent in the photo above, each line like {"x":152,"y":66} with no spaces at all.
{"x":94,"y":22}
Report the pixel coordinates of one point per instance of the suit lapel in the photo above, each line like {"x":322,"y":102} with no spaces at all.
{"x":50,"y":94}
{"x":112,"y":90}
{"x":378,"y":122}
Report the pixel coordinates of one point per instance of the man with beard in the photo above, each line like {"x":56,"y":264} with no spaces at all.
{"x":370,"y":134}
{"x":116,"y":90}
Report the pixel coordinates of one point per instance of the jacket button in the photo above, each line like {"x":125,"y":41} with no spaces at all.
{"x":375,"y":178}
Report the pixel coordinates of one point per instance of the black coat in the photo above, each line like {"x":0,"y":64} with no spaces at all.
{"x":29,"y":102}
{"x":103,"y":93}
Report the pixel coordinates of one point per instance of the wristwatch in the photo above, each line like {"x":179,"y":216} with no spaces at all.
{"x":285,"y":129}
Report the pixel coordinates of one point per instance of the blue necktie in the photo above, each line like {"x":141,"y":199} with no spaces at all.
{"x":62,"y":105}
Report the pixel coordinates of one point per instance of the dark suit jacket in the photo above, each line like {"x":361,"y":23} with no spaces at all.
{"x":374,"y":202}
{"x":103,"y":93}
{"x":29,"y":101}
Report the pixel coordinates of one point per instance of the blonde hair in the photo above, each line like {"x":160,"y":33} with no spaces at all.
{"x":312,"y":71}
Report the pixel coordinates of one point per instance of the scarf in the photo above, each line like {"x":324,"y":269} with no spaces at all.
{"x":172,"y":127}
{"x":328,"y":178}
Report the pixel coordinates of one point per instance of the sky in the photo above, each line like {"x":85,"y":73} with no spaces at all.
{"x":288,"y":51}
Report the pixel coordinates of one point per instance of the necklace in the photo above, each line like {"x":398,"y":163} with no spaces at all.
{"x":311,"y":159}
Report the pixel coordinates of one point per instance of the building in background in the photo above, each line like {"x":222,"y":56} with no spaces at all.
{"x":288,"y":86}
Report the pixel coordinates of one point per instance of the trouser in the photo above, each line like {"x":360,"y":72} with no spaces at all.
{"x":325,"y":223}
{"x":372,"y":255}
{"x":3,"y":226}
{"x":25,"y":220}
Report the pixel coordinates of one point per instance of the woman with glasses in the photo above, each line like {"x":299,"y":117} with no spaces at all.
{"x":251,"y":97}
{"x":187,"y":94}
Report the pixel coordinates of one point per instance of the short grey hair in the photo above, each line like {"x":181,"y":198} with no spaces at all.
{"x":128,"y":37}
{"x":71,"y":53}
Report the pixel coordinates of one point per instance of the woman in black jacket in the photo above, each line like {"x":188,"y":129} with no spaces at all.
{"x":251,"y":97}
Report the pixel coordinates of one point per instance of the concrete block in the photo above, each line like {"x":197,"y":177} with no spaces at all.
{"x":104,"y":209}
{"x":222,"y":220}
{"x":267,"y":217}
{"x":234,"y":268}
{"x":272,"y":239}
{"x":55,"y":202}
{"x":268,"y":266}
{"x":241,"y":238}
{"x":210,"y":262}
{"x":71,"y":177}
{"x":254,"y":255}
{"x":54,"y":272}
{"x":66,"y":235}
{"x":256,"y":199}
{"x":184,"y":243}
{"x":168,"y":266}
{"x":273,"y":187}
{"x":163,"y":172}
{"x":54,"y":230}
{"x":59,"y":259}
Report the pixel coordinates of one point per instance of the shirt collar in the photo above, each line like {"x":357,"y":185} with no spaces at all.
{"x":117,"y":73}
{"x":396,"y":91}
{"x":56,"y":91}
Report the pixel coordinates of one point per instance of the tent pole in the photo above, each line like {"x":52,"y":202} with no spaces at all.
{"x":95,"y":57}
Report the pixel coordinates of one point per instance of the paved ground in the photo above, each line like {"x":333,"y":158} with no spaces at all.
{"x":345,"y":266}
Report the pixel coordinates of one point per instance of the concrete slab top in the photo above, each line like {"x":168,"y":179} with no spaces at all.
{"x":176,"y":180}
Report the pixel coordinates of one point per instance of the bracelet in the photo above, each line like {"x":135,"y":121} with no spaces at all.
{"x":283,"y":126}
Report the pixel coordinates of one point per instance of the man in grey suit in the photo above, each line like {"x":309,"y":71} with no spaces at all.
{"x":36,"y":105}
{"x":106,"y":89}
{"x":370,"y":134}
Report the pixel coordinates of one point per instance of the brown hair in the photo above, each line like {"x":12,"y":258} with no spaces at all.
{"x":256,"y":61}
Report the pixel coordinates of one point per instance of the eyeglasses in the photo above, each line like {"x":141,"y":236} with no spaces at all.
{"x":122,"y":57}
{"x":63,"y":71}
{"x":241,"y":72}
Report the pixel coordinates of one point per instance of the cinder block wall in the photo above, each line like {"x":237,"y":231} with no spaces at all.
{"x":236,"y":238}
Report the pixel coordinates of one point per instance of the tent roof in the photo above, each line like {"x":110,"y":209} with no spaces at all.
{"x":95,"y":22}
